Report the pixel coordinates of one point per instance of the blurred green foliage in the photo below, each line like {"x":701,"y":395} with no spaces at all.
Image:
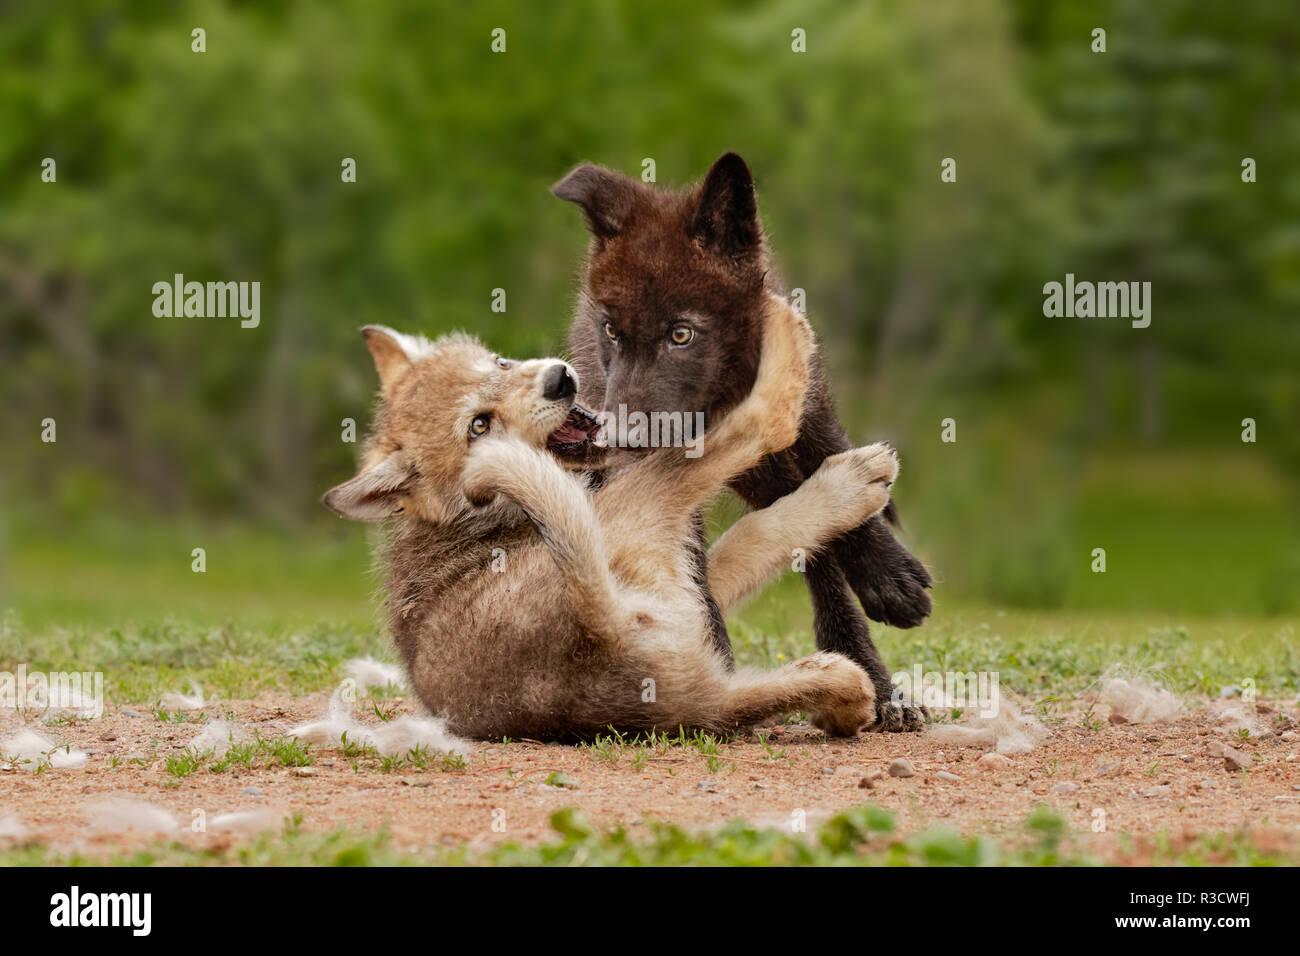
{"x":1072,"y":433}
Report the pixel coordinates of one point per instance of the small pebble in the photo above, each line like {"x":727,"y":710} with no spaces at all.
{"x":1234,"y":759}
{"x":992,"y":761}
{"x":901,"y":767}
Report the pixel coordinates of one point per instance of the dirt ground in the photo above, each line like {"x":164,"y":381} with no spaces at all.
{"x":1131,"y":778}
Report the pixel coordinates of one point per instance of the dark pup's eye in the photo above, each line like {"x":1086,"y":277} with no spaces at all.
{"x":610,"y":333}
{"x":681,"y":335}
{"x":479,"y":426}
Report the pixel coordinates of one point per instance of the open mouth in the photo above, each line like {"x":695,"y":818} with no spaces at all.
{"x":575,"y":438}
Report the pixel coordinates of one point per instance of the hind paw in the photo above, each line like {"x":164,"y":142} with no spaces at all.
{"x":900,"y":717}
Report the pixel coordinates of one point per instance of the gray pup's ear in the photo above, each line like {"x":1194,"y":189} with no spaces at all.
{"x":605,"y":197}
{"x":378,"y":492}
{"x":726,"y":216}
{"x":394,"y":353}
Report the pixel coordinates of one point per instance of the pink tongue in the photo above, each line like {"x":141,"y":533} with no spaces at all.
{"x":568,"y":433}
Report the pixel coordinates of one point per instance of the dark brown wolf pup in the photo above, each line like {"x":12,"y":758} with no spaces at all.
{"x":667,"y":321}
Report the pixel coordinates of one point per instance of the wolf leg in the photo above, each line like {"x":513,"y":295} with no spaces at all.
{"x":834,"y":691}
{"x":890,"y":582}
{"x":717,"y":619}
{"x":843,"y":492}
{"x":766,"y":421}
{"x":840,"y":625}
{"x":838,"y":621}
{"x":560,"y":508}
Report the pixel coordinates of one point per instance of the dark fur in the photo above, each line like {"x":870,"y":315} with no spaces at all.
{"x":657,"y":256}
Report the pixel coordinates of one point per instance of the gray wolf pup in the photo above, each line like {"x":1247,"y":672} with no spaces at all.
{"x":527,"y":604}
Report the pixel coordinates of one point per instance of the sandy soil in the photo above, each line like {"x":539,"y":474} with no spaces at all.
{"x":1136,"y":778}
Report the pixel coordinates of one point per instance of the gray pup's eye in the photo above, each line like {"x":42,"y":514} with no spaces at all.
{"x":479,"y":426}
{"x":681,"y":335}
{"x":610,"y":333}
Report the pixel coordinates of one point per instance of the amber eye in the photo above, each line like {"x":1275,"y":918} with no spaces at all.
{"x":610,"y":333}
{"x":681,"y":335}
{"x":479,"y":426}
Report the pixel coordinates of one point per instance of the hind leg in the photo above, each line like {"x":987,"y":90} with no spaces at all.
{"x":840,"y":625}
{"x":836,"y":693}
{"x":838,"y":621}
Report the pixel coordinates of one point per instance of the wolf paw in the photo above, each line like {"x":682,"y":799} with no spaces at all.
{"x":856,"y":482}
{"x":889,"y":581}
{"x":852,"y":708}
{"x":901,"y":600}
{"x":900,"y":717}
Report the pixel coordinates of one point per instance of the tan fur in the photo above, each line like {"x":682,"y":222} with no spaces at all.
{"x":527,"y":605}
{"x":847,"y":489}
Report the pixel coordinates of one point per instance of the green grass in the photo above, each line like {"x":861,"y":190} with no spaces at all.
{"x":862,"y":836}
{"x":1036,"y":653}
{"x":287,"y":618}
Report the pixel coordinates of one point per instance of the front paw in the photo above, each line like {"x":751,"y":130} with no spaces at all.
{"x":480,"y":483}
{"x":891,"y":583}
{"x":856,"y":483}
{"x":901,"y":599}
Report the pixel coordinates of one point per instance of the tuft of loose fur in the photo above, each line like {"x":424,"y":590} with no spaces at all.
{"x":218,"y":736}
{"x":1009,"y":731}
{"x":393,"y":738}
{"x":174,"y":700}
{"x":257,"y":820}
{"x":1139,"y":699}
{"x":369,"y":674}
{"x":32,"y":750}
{"x":120,"y":814}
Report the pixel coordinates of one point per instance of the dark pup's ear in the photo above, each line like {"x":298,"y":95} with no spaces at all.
{"x":605,"y":196}
{"x":726,"y":219}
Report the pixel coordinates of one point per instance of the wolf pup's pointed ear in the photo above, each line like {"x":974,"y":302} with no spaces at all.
{"x":393,"y":353}
{"x":726,"y":217}
{"x":378,"y":492}
{"x":605,"y":197}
